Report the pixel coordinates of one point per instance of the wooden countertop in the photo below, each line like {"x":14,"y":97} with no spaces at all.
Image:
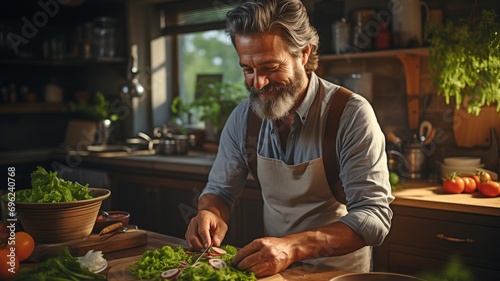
{"x":119,"y":260}
{"x":430,"y":194}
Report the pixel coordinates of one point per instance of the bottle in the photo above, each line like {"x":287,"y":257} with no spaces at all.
{"x":383,"y":39}
{"x":104,"y":37}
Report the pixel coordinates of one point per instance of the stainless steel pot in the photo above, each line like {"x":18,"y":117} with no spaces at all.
{"x":181,"y":144}
{"x":167,"y":146}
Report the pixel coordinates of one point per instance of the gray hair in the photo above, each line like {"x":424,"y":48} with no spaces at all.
{"x":289,"y":17}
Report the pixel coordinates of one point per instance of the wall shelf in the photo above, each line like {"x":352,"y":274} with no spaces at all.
{"x":65,"y":62}
{"x":24,"y":108}
{"x":424,"y":51}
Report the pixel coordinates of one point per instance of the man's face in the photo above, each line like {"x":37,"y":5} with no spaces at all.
{"x":274,"y":78}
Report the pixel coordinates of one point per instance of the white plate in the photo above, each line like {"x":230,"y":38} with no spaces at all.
{"x":462,"y":161}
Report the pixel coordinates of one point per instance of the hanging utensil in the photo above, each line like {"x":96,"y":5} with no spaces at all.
{"x":424,"y":130}
{"x":132,"y":87}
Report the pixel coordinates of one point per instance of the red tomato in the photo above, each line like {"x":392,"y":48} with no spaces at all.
{"x":483,"y":176}
{"x":453,"y":184}
{"x":24,"y":245}
{"x":489,"y":188}
{"x":469,"y":184}
{"x":9,"y":264}
{"x":476,"y":179}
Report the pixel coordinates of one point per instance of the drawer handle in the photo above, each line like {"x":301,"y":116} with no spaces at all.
{"x":455,"y":240}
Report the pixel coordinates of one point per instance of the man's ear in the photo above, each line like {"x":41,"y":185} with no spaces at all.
{"x":305,"y":54}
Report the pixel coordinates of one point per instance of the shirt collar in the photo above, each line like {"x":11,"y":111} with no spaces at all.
{"x":312,"y":89}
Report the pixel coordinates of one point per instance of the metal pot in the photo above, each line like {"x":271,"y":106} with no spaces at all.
{"x":167,"y":146}
{"x":181,"y":144}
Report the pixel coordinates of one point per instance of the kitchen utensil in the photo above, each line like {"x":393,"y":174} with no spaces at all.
{"x":148,"y":139}
{"x":424,"y":130}
{"x":105,"y":219}
{"x":407,"y":22}
{"x":417,"y":162}
{"x":117,"y":231}
{"x":181,"y":144}
{"x":111,"y":228}
{"x":132,"y":88}
{"x":203,"y":253}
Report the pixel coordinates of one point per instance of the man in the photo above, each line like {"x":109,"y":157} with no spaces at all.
{"x":277,"y":49}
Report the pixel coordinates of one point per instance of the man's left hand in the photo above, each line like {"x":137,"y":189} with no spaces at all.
{"x":265,"y":256}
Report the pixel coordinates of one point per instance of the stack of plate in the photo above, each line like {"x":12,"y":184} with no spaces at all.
{"x":461,"y":165}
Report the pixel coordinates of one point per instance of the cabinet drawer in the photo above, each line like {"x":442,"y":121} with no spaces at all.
{"x":464,"y":239}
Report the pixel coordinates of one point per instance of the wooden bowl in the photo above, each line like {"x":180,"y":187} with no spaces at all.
{"x":62,"y":221}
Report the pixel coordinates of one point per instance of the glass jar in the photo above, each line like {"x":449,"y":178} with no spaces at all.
{"x":104,"y":36}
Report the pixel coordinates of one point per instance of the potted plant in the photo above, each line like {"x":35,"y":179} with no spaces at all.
{"x":464,"y":59}
{"x":216,"y":100}
{"x":98,"y":109}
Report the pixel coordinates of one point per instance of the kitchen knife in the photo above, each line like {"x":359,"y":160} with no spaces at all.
{"x":203,"y":253}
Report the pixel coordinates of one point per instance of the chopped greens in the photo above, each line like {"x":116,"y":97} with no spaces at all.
{"x":46,"y":187}
{"x":154,"y":262}
{"x":61,"y":267}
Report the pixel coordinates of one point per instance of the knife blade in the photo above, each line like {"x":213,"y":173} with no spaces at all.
{"x":203,"y":253}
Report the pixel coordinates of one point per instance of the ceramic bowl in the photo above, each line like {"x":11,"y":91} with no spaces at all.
{"x":62,"y":221}
{"x":110,"y":217}
{"x":375,"y":276}
{"x":462,"y":161}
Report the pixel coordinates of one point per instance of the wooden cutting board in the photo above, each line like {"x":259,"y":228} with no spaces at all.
{"x":131,"y":238}
{"x":118,"y":271}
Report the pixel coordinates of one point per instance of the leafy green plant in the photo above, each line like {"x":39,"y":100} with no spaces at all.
{"x":464,"y":58}
{"x":97,"y":109}
{"x":216,"y":101}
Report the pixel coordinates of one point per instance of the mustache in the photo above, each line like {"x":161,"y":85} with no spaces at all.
{"x":266,"y":89}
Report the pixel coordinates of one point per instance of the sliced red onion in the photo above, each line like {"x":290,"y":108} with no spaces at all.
{"x":219,"y":251}
{"x":170,"y":274}
{"x":217,"y":263}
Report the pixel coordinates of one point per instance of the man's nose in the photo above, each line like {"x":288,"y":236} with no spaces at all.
{"x":260,"y":81}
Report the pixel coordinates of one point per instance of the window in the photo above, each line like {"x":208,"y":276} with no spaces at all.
{"x":196,"y":44}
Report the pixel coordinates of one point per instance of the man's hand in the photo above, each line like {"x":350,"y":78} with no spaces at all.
{"x":265,"y":256}
{"x":204,"y":229}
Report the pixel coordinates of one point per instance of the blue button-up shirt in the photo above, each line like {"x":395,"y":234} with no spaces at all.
{"x":360,"y":153}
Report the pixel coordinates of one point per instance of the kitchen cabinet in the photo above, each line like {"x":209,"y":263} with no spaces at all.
{"x":42,"y":43}
{"x":424,"y":240}
{"x":166,"y":204}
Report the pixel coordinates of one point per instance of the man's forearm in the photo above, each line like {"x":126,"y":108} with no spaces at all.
{"x":336,"y":239}
{"x":214,"y":204}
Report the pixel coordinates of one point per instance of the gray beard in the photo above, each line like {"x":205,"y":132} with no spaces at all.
{"x":275,"y":107}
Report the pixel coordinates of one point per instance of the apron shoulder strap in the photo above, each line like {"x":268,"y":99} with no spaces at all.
{"x":330,"y":162}
{"x":253,"y":128}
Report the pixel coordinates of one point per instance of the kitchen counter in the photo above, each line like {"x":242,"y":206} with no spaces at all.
{"x":119,"y":261}
{"x":430,"y":194}
{"x":416,"y":193}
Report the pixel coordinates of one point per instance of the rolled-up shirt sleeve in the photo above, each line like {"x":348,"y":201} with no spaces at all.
{"x":364,"y":172}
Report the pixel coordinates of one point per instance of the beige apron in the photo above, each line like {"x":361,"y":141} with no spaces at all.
{"x":297,"y":198}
